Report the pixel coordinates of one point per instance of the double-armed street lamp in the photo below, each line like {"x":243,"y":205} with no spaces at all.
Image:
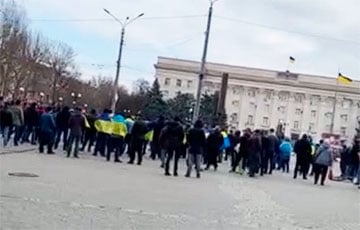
{"x":75,"y":97}
{"x":123,"y":24}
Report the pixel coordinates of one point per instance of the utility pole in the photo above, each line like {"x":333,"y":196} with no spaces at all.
{"x":118,"y":65}
{"x":203,"y":63}
{"x":123,"y":24}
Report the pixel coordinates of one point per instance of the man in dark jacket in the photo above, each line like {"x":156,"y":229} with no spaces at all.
{"x":62,"y":126}
{"x":255,"y":149}
{"x":31,"y":118}
{"x":90,"y":132}
{"x":171,"y":138}
{"x":196,"y":140}
{"x":138,"y":132}
{"x":244,"y":149}
{"x":272,"y":142}
{"x":76,"y":125}
{"x":47,"y":130}
{"x":18,"y":120}
{"x":213,"y":144}
{"x":6,"y":123}
{"x":158,"y":126}
{"x":235,"y":158}
{"x":302,"y":149}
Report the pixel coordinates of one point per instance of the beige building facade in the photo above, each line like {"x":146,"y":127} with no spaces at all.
{"x":261,"y":99}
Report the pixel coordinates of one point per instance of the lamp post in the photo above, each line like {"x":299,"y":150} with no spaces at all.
{"x":203,"y":62}
{"x":123,"y":24}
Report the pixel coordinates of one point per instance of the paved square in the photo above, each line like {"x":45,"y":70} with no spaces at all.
{"x":90,"y":193}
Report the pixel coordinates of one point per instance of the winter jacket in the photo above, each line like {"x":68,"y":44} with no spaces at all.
{"x":323,"y":155}
{"x":31,"y":117}
{"x":157,"y":127}
{"x":196,"y":140}
{"x":17,"y":115}
{"x":76,"y":124}
{"x":62,"y":118}
{"x":302,"y":149}
{"x":244,"y":145}
{"x":272,"y":143}
{"x":139,"y":130}
{"x":285,"y":150}
{"x":6,"y":119}
{"x":172,"y":135}
{"x":47,"y":124}
{"x":214,"y":142}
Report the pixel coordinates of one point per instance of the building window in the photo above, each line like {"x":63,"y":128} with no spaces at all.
{"x":344,"y":117}
{"x":283,"y":96}
{"x":265,"y":121}
{"x":189,"y":83}
{"x":298,"y":111}
{"x":328,"y":115}
{"x":167,"y":81}
{"x":251,"y":93}
{"x":178,"y":83}
{"x":267,"y":108}
{"x":343,"y":131}
{"x":314,"y":100}
{"x":296,"y":125}
{"x":165,"y":93}
{"x":250,"y":119}
{"x":235,"y":103}
{"x":282,"y":109}
{"x":311,"y":127}
{"x":313,"y":113}
{"x":298,"y":98}
{"x":236,"y":90}
{"x":234,"y":117}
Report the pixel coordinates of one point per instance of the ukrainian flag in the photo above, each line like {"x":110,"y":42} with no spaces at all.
{"x":343,"y":79}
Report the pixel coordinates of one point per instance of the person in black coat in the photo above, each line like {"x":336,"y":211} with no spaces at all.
{"x":6,"y":123}
{"x":62,"y":126}
{"x":255,"y":150}
{"x":244,"y":149}
{"x":302,"y":149}
{"x":90,"y":132}
{"x":137,"y":141}
{"x":171,"y":138}
{"x":235,"y":157}
{"x":196,"y":141}
{"x":155,"y":144}
{"x":76,"y":125}
{"x":213,"y":145}
{"x":31,"y":117}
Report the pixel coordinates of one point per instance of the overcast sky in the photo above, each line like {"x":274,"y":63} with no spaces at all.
{"x":323,"y":35}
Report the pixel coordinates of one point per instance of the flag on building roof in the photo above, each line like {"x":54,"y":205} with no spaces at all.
{"x":291,"y":59}
{"x":343,"y":79}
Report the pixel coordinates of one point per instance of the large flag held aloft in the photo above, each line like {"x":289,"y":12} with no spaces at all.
{"x":343,"y":79}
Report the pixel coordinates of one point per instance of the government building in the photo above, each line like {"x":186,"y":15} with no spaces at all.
{"x":263,"y":99}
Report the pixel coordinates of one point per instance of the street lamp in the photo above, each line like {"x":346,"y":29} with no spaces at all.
{"x":75,"y":97}
{"x":123,"y":24}
{"x":203,"y":62}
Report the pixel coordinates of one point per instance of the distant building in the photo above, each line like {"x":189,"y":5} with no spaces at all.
{"x":259,"y":98}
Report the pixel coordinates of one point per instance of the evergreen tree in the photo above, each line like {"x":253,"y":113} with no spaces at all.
{"x":182,"y":106}
{"x":155,"y":105}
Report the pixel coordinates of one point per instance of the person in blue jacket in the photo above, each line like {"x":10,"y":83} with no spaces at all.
{"x":285,"y":153}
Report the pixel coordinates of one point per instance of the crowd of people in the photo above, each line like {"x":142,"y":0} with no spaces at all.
{"x":257,"y":152}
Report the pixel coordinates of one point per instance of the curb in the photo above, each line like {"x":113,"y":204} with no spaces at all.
{"x":17,"y":151}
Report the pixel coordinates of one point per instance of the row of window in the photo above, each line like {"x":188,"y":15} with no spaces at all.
{"x":179,"y":83}
{"x":296,"y":125}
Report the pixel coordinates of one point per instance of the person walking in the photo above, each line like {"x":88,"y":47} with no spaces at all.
{"x":31,"y":118}
{"x":213,"y":144}
{"x":302,"y":149}
{"x":272,"y":142}
{"x":244,"y":149}
{"x":76,"y":125}
{"x":47,"y":131}
{"x":255,"y":149}
{"x":6,"y":123}
{"x":323,"y":160}
{"x":62,"y":126}
{"x":156,"y":148}
{"x":116,"y":139}
{"x":285,"y":153}
{"x":196,"y":141}
{"x":18,"y":120}
{"x":235,"y":157}
{"x":137,"y":141}
{"x":90,"y":132}
{"x":172,"y":136}
{"x":102,"y":134}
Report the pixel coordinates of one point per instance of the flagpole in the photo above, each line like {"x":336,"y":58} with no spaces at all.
{"x":334,"y":108}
